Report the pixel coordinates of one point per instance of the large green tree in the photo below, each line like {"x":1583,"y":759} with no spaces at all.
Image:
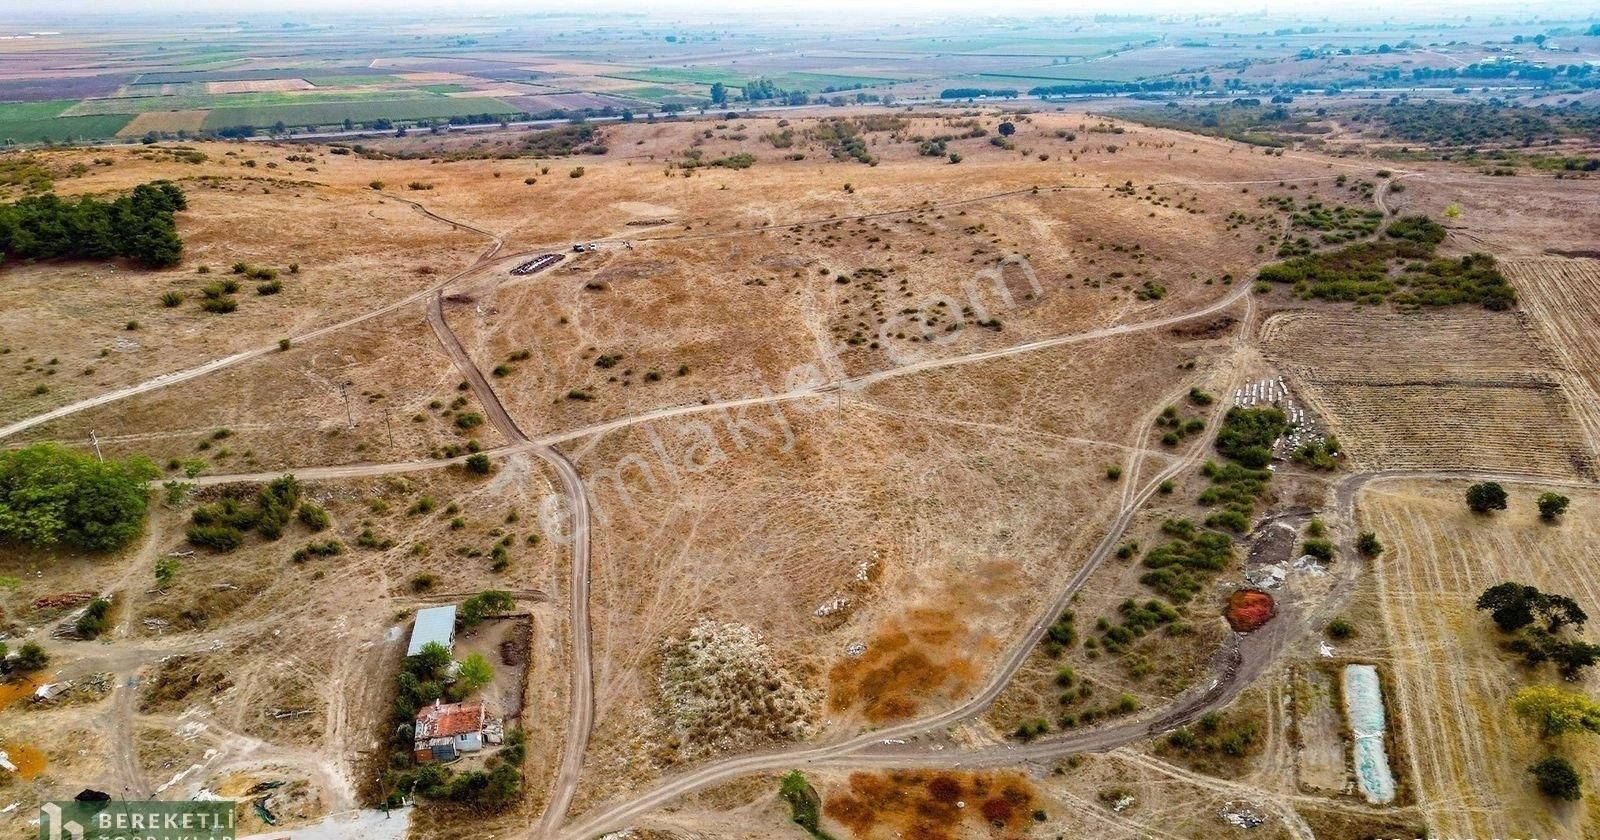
{"x":1486,"y":496}
{"x":50,"y":494}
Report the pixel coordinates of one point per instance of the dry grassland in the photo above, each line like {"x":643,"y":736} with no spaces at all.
{"x":351,"y":397}
{"x":1440,"y":390}
{"x":356,"y":251}
{"x":1452,"y":681}
{"x":926,"y":537}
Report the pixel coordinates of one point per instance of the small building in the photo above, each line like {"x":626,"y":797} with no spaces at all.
{"x":435,"y":624}
{"x":444,"y":731}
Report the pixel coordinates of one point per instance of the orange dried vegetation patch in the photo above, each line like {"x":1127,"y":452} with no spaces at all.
{"x":922,"y":805}
{"x":920,"y":656}
{"x":1248,"y":609}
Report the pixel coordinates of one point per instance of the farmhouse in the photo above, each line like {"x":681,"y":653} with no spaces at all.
{"x":444,"y":731}
{"x":436,"y":624}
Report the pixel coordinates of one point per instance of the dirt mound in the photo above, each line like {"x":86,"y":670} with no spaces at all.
{"x":1248,"y":609}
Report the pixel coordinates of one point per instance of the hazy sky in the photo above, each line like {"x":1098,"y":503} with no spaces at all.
{"x":1431,"y":9}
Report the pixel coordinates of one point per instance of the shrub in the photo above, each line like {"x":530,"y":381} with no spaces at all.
{"x":469,"y":420}
{"x":96,"y":617}
{"x":172,"y":299}
{"x":423,"y":581}
{"x":215,"y":537}
{"x":327,"y":548}
{"x":1113,"y":473}
{"x":1340,"y":629}
{"x":479,"y":464}
{"x":1319,"y":548}
{"x":219,"y":305}
{"x":577,"y":172}
{"x":283,"y":345}
{"x":1368,"y":544}
{"x":270,"y":287}
{"x":313,"y":516}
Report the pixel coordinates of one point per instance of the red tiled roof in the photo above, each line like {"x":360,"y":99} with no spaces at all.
{"x":449,"y":719}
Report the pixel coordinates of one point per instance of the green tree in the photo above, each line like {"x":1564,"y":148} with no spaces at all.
{"x":430,"y":662}
{"x":1555,"y":712}
{"x":1552,"y":505}
{"x":1007,"y":129}
{"x":719,"y":93}
{"x":475,"y":673}
{"x":484,"y":604}
{"x":49,"y":495}
{"x":1486,"y":496}
{"x":1557,"y":778}
{"x":1514,"y":606}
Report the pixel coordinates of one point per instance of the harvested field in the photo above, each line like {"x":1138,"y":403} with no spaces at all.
{"x":170,"y":122}
{"x":1439,"y":391}
{"x":1452,"y":680}
{"x":258,"y":85}
{"x":1563,"y":295}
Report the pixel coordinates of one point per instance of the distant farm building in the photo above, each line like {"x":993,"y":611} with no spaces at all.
{"x":445,"y":731}
{"x":436,"y":624}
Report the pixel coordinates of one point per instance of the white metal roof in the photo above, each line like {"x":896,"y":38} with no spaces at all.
{"x":435,"y":624}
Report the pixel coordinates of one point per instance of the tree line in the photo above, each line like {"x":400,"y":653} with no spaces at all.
{"x":139,"y":226}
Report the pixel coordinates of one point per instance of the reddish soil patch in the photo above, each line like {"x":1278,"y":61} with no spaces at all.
{"x":1248,"y":609}
{"x":915,"y":658}
{"x":919,"y":805}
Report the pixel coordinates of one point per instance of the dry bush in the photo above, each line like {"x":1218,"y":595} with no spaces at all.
{"x":723,"y":689}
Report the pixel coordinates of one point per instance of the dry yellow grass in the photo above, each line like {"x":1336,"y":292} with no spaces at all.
{"x":1469,"y":754}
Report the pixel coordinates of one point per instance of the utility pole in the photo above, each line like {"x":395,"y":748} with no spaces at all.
{"x":349,"y":416}
{"x":94,"y":439}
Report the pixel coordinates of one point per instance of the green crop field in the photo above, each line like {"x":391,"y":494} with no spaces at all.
{"x":333,"y":113}
{"x":12,"y":112}
{"x":447,"y":88}
{"x":62,"y":128}
{"x":138,"y":105}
